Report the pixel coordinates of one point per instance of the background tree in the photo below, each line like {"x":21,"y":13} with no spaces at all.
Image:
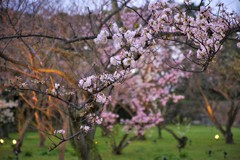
{"x":219,"y":88}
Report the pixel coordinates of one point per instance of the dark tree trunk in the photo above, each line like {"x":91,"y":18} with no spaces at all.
{"x":4,"y":130}
{"x":62,"y":147}
{"x":228,"y":137}
{"x":83,"y":144}
{"x":117,"y":149}
{"x":22,"y":131}
{"x":232,"y":113}
{"x":125,"y":141}
{"x":159,"y":131}
{"x":182,"y":141}
{"x":85,"y":147}
{"x":42,"y":138}
{"x":40,"y":126}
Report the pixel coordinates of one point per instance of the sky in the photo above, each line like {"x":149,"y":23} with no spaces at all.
{"x":230,"y":4}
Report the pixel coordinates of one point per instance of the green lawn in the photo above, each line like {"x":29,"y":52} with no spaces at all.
{"x":152,"y":149}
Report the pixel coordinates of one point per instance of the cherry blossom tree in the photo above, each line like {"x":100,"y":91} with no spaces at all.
{"x":141,"y":96}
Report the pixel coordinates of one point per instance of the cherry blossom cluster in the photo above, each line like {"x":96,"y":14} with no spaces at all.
{"x":124,"y":38}
{"x":7,"y":114}
{"x":238,"y":44}
{"x":102,"y":37}
{"x":205,"y":29}
{"x":85,"y":128}
{"x":109,"y":119}
{"x":141,"y":122}
{"x":61,"y":131}
{"x":56,"y":89}
{"x":95,"y":84}
{"x":94,"y":119}
{"x":100,"y":98}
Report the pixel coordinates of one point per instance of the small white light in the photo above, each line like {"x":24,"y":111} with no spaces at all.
{"x":14,"y":142}
{"x":1,"y":141}
{"x":216,"y":136}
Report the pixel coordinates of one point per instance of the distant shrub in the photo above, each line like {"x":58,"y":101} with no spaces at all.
{"x":44,"y":153}
{"x":183,"y":155}
{"x":28,"y":154}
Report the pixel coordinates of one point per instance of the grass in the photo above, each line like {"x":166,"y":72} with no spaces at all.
{"x":151,"y":149}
